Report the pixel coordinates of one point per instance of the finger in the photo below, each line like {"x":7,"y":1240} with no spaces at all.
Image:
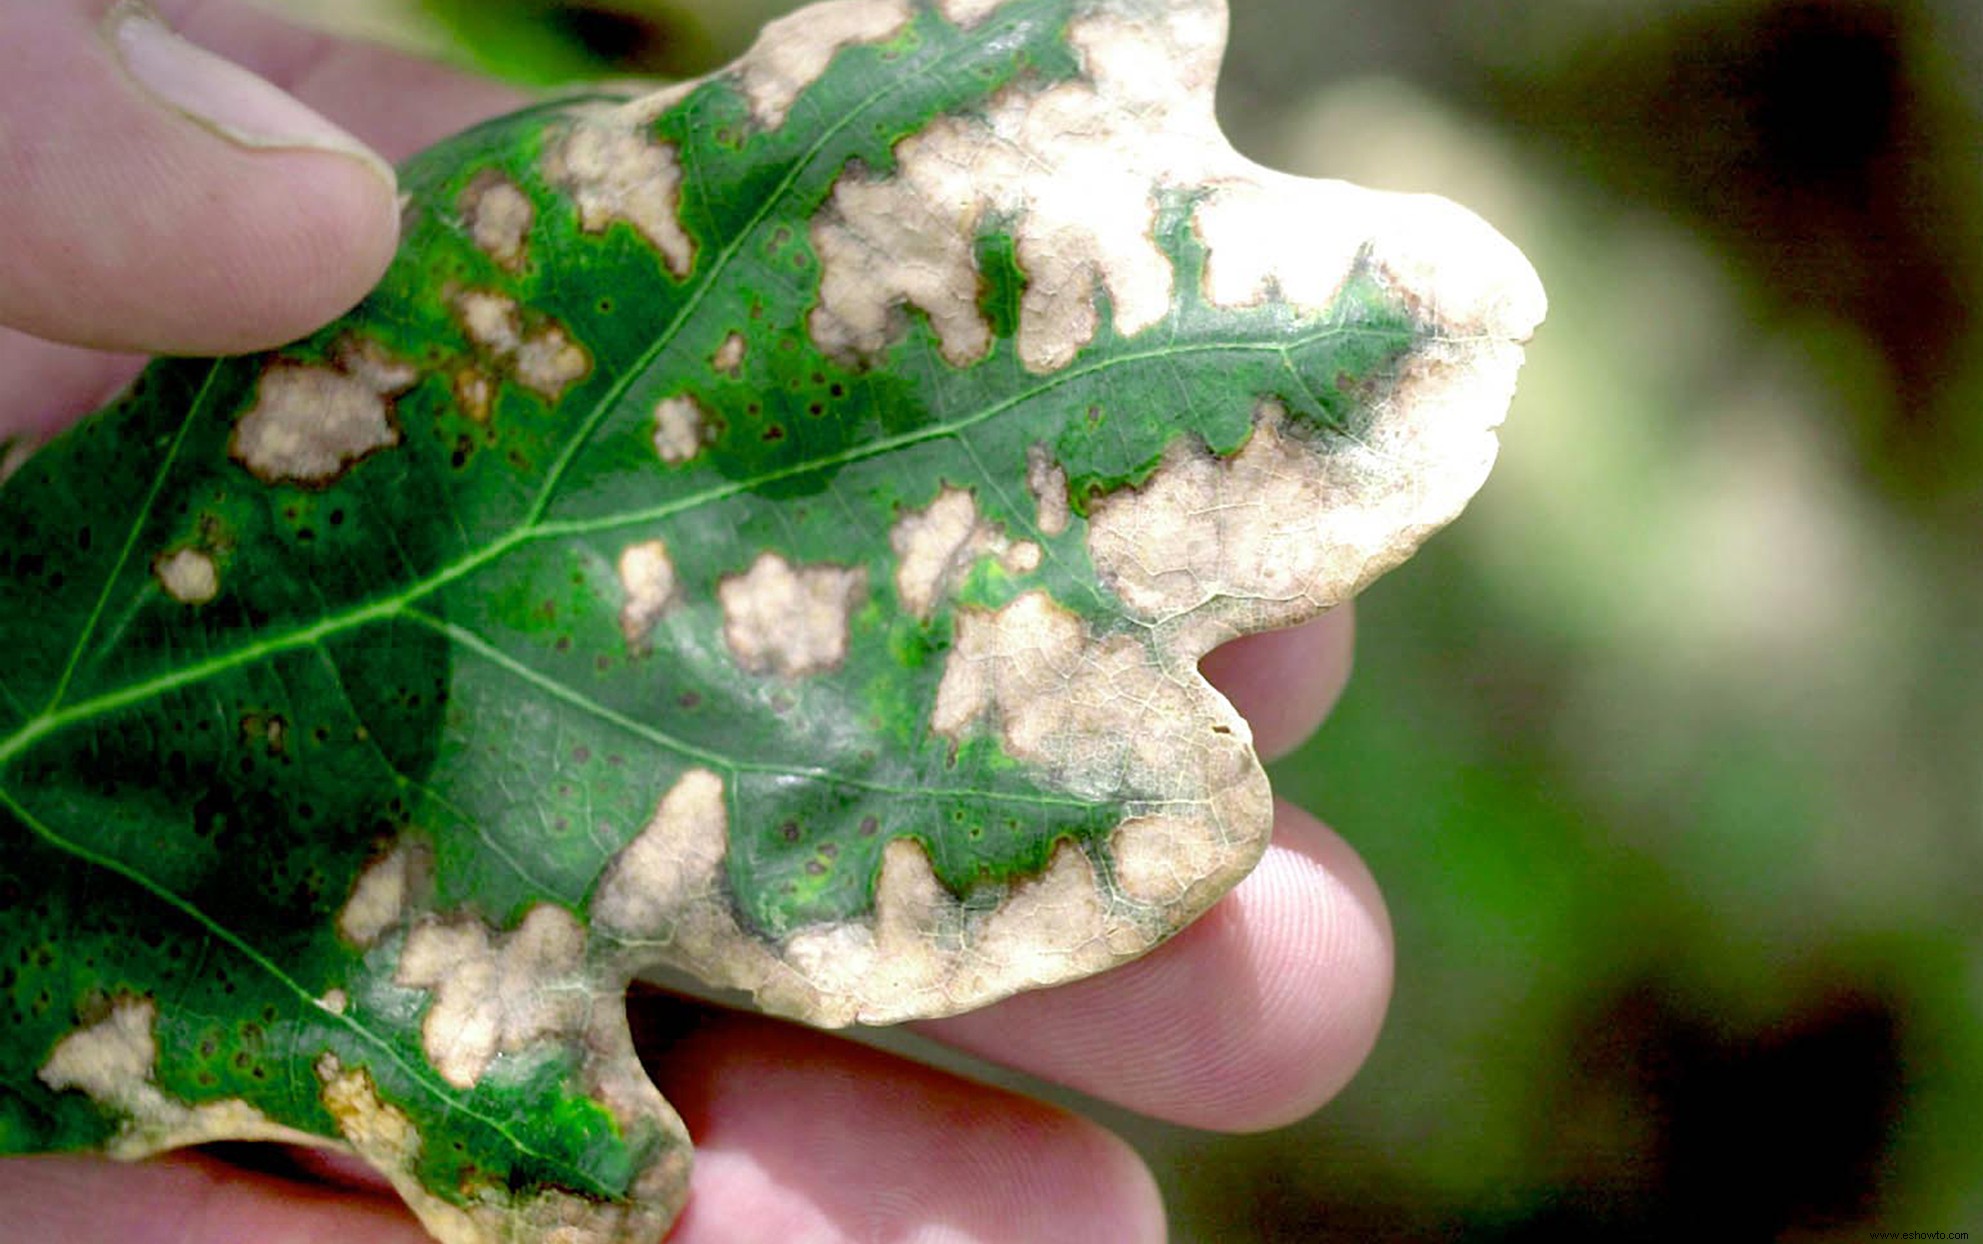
{"x":802,"y":1137}
{"x":1285,"y":682}
{"x":156,"y":197}
{"x":398,"y":104}
{"x":185,"y":1198}
{"x":49,"y":385}
{"x":1249,"y":1019}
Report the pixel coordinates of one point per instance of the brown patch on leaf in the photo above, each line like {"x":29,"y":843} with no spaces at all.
{"x":540,"y":355}
{"x":498,"y":215}
{"x":679,"y":427}
{"x":113,"y":1061}
{"x":788,"y":620}
{"x":1048,"y":483}
{"x":647,"y":577}
{"x":729,"y":357}
{"x":1075,"y":172}
{"x":616,"y":171}
{"x":935,"y":547}
{"x":311,"y":423}
{"x":1295,"y":523}
{"x":794,"y":51}
{"x":967,"y":13}
{"x":188,"y":576}
{"x":496,"y":992}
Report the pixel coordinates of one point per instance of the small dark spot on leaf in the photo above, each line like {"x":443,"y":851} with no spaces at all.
{"x":690,"y":699}
{"x":336,"y":518}
{"x":830,"y":850}
{"x":816,"y":409}
{"x":790,"y":830}
{"x":774,"y":433}
{"x":581,"y":754}
{"x":815,"y":869}
{"x":563,"y":643}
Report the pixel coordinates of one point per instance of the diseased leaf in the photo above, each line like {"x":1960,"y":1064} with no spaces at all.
{"x":768,"y":529}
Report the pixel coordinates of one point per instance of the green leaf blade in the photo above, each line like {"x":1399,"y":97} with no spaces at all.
{"x":768,"y":531}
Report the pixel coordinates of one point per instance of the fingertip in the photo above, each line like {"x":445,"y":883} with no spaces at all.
{"x":158,"y":199}
{"x":186,"y":1196}
{"x":312,"y":233}
{"x":1285,"y":682}
{"x":1251,"y":1018}
{"x":1325,"y":1031}
{"x":800,"y":1136}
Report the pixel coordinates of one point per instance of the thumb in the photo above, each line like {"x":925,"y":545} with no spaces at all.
{"x":157,"y":198}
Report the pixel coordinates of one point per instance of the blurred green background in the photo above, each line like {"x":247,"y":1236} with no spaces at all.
{"x":1669,"y":755}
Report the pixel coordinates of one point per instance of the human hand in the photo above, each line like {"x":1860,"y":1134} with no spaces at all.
{"x":132,"y":228}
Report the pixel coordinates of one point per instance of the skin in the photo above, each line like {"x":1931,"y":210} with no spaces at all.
{"x":1250,"y":1019}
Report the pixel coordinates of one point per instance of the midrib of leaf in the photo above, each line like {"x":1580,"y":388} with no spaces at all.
{"x":424,"y":1076}
{"x":397,"y":605}
{"x":51,"y":719}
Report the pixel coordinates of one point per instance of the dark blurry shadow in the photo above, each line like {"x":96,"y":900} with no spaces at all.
{"x":1743,"y":1134}
{"x":1818,"y":144}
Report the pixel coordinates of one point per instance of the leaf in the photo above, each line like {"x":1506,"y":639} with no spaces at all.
{"x":768,"y":529}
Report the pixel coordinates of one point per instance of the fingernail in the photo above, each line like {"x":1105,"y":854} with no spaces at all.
{"x":220,"y":95}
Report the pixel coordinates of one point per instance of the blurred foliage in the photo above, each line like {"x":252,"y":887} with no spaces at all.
{"x":1670,"y":755}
